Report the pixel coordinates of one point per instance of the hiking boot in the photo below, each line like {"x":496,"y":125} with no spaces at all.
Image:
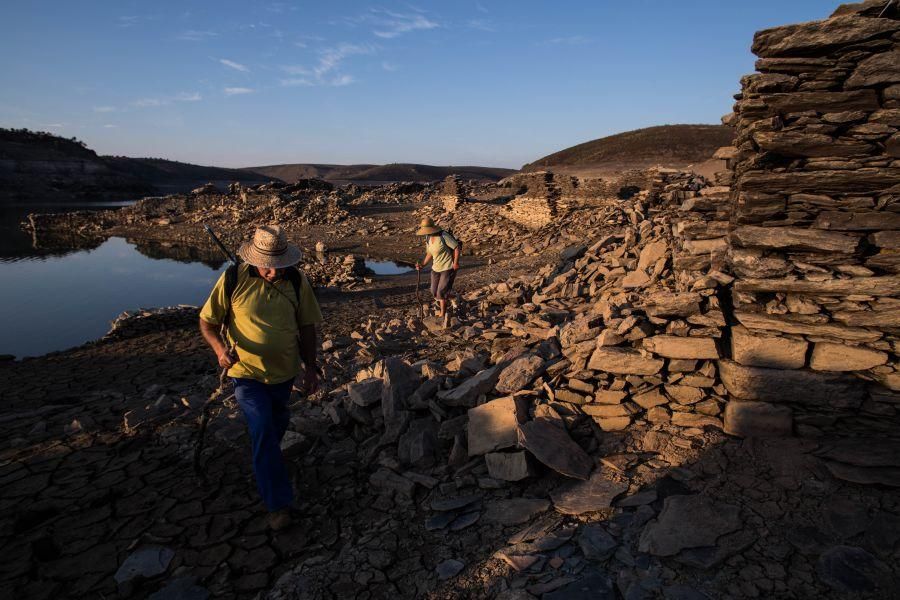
{"x":280,"y":519}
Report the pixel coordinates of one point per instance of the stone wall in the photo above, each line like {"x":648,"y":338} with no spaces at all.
{"x":452,"y":192}
{"x":814,"y":240}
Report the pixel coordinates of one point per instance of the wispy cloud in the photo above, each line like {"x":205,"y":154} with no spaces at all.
{"x":53,"y":125}
{"x":480,"y":25}
{"x":154,"y":101}
{"x":195,"y":35}
{"x":342,"y":80}
{"x":389,"y":66}
{"x":331,"y":58}
{"x":234,"y":65}
{"x":128,"y":20}
{"x":147,"y":103}
{"x":571,"y":40}
{"x":110,"y":126}
{"x":390,"y":24}
{"x":237,"y":91}
{"x":297,"y":82}
{"x":481,"y":8}
{"x":327,"y":69}
{"x":104,"y":109}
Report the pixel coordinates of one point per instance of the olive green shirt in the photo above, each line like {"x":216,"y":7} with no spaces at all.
{"x":264,"y":323}
{"x":440,"y":247}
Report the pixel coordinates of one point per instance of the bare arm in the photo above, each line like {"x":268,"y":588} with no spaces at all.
{"x":211,"y":334}
{"x":456,"y":258}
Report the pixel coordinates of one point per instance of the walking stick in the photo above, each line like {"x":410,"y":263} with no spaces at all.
{"x":204,"y":420}
{"x":418,"y":284}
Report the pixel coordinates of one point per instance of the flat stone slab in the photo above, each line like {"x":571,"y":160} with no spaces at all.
{"x":146,"y":562}
{"x":624,"y":361}
{"x":552,"y":446}
{"x":595,"y":585}
{"x":791,"y":385}
{"x":596,"y":543}
{"x":449,"y":568}
{"x":466,"y":394}
{"x":852,"y":569}
{"x":596,"y":493}
{"x":688,"y":522}
{"x":515,"y":511}
{"x":672,"y":346}
{"x":748,"y":418}
{"x":184,"y":588}
{"x":493,"y":425}
{"x":519,"y":373}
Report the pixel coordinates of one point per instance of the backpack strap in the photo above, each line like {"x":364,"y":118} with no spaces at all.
{"x":294,"y":275}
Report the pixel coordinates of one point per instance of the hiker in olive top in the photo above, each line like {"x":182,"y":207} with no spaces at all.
{"x":443,"y":250}
{"x":270,"y":312}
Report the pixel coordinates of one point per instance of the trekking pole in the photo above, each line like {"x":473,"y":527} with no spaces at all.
{"x":223,"y":374}
{"x":221,"y":246}
{"x":204,"y":419}
{"x":418,"y":299}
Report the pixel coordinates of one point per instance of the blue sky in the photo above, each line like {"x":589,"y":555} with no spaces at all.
{"x":241,"y":83}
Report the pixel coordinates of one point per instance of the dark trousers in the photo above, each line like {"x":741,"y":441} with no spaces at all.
{"x":265,"y":408}
{"x":442,"y":283}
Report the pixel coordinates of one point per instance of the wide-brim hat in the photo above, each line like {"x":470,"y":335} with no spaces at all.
{"x":269,"y":249}
{"x":427,"y":227}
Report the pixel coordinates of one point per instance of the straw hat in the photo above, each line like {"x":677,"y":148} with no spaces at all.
{"x":269,"y":249}
{"x":427,"y":227}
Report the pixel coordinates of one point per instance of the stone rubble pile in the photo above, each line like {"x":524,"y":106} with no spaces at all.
{"x":815,"y":223}
{"x":131,"y":324}
{"x":391,"y":193}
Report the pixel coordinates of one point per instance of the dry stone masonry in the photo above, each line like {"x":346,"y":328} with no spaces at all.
{"x":815,"y":214}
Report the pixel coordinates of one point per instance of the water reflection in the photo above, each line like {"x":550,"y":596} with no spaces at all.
{"x":16,"y":244}
{"x":56,"y":302}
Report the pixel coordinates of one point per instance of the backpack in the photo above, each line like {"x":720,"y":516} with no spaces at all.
{"x":458,"y":241}
{"x":292,"y":274}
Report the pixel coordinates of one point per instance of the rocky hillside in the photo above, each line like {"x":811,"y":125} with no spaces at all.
{"x":169,"y":176}
{"x":42,"y":167}
{"x":674,"y":146}
{"x":378,"y":174}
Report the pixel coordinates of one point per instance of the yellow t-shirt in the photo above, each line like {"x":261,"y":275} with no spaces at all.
{"x":440,"y":247}
{"x":264,"y":324}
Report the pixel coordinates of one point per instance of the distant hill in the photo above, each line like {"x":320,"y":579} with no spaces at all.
{"x":42,"y":167}
{"x":666,"y":145}
{"x":169,"y":176}
{"x":378,"y":174}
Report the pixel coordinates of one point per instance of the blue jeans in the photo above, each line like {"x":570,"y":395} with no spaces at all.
{"x":265,"y":408}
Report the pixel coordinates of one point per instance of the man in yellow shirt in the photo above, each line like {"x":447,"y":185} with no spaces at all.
{"x":269,"y":311}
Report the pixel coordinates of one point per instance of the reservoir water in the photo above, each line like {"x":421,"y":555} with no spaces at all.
{"x":53,"y":300}
{"x":388,"y":267}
